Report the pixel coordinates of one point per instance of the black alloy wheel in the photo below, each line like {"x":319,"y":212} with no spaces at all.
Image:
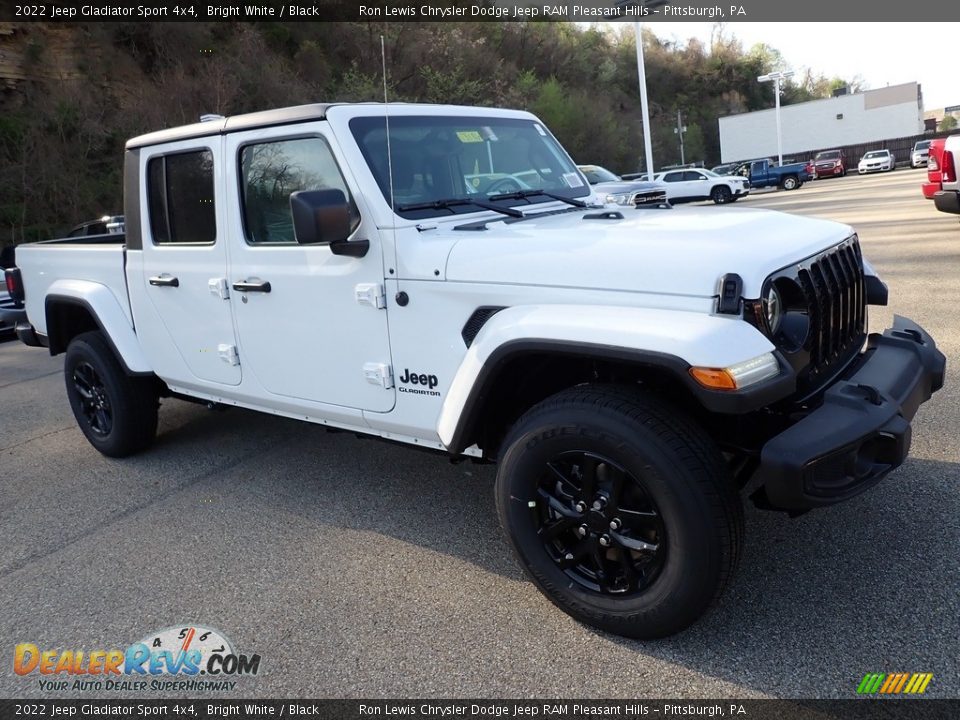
{"x":93,"y":399}
{"x":598,"y":524}
{"x":720,"y":194}
{"x":620,"y":508}
{"x":116,"y":411}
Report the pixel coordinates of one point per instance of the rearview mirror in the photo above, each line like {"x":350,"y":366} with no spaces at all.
{"x":323,"y":217}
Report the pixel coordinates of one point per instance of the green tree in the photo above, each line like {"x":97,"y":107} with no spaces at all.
{"x":949,"y":122}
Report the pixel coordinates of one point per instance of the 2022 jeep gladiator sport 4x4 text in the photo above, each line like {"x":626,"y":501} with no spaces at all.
{"x":438,"y":276}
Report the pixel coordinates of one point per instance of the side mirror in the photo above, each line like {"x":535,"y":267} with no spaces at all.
{"x":323,"y":217}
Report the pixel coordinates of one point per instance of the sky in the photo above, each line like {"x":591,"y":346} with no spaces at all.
{"x":881,"y":53}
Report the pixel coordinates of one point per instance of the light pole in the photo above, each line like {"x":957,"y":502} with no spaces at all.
{"x":644,"y":107}
{"x":679,"y":130}
{"x":776,"y":78}
{"x":636,"y":7}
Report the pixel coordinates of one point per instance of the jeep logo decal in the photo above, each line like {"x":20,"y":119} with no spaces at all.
{"x":410,"y":378}
{"x":427,"y":381}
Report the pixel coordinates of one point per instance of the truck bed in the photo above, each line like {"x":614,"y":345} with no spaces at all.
{"x":95,"y":258}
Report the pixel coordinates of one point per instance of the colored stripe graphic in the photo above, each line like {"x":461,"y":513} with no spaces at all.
{"x":894,"y":683}
{"x":870,"y":683}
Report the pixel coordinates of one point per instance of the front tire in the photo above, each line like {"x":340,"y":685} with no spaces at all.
{"x":116,"y":412}
{"x":720,"y":194}
{"x":620,"y":509}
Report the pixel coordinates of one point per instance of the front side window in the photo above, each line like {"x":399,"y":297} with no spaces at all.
{"x":437,"y":165}
{"x":180,"y":196}
{"x":271,"y":171}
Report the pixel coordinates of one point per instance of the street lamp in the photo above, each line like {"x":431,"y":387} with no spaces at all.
{"x":776,"y":78}
{"x":644,"y":106}
{"x":622,"y":9}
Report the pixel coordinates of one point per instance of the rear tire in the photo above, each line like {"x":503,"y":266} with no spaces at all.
{"x":116,"y":412}
{"x":790,"y":182}
{"x":621,"y":509}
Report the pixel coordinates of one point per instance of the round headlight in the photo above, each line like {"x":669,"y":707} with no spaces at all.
{"x":772,"y":309}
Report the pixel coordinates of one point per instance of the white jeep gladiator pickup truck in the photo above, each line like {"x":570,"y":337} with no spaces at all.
{"x":439,"y":276}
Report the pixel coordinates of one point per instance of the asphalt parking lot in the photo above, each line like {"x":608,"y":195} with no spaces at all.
{"x":356,"y":568}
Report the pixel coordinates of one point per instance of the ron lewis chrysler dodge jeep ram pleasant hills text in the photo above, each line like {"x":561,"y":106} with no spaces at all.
{"x":444,"y":277}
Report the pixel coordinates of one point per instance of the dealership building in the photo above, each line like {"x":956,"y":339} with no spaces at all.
{"x":895,"y":111}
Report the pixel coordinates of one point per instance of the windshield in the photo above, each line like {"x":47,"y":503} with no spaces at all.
{"x":596,"y":174}
{"x":830,"y":155}
{"x":922,"y":145}
{"x":439,"y":159}
{"x":875,"y":154}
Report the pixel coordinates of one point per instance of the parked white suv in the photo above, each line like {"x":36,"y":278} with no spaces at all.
{"x":433,"y":276}
{"x":692,"y":184}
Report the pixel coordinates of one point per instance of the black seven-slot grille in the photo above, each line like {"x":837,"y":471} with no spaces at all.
{"x":829,"y":289}
{"x":834,"y":287}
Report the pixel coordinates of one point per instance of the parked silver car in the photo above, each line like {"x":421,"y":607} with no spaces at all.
{"x":877,"y":161}
{"x":920,"y":154}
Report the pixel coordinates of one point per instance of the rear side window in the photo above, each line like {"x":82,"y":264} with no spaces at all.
{"x":180,"y":193}
{"x":270,"y":172}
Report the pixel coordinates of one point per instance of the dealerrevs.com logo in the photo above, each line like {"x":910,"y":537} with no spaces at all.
{"x":182,"y":653}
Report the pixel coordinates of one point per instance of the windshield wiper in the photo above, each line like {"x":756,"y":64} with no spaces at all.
{"x":454,"y":202}
{"x":524,"y":194}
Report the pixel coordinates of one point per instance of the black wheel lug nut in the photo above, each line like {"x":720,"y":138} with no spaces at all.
{"x":581,"y":506}
{"x":583,"y":530}
{"x":605,"y":540}
{"x":615,"y":524}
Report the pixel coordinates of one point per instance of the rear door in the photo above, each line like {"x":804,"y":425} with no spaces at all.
{"x":676,"y":189}
{"x":312,"y":325}
{"x":190,"y":335}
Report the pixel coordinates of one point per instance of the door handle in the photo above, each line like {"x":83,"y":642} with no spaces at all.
{"x":247,"y":286}
{"x":164,"y":281}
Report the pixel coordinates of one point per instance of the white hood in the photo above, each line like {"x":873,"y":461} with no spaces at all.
{"x":681,"y":251}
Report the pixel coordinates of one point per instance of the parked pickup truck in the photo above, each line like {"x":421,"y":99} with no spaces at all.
{"x":432,"y":275}
{"x":763,"y":173}
{"x":947,"y":199}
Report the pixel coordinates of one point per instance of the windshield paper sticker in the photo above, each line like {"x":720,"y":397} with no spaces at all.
{"x":573,"y":180}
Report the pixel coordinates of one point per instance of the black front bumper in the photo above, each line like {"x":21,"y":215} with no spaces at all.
{"x":861,"y":431}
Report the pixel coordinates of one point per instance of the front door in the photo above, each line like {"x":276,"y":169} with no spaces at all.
{"x":312,"y":325}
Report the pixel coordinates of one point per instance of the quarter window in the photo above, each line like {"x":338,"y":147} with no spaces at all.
{"x":180,"y":192}
{"x":270,"y":172}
